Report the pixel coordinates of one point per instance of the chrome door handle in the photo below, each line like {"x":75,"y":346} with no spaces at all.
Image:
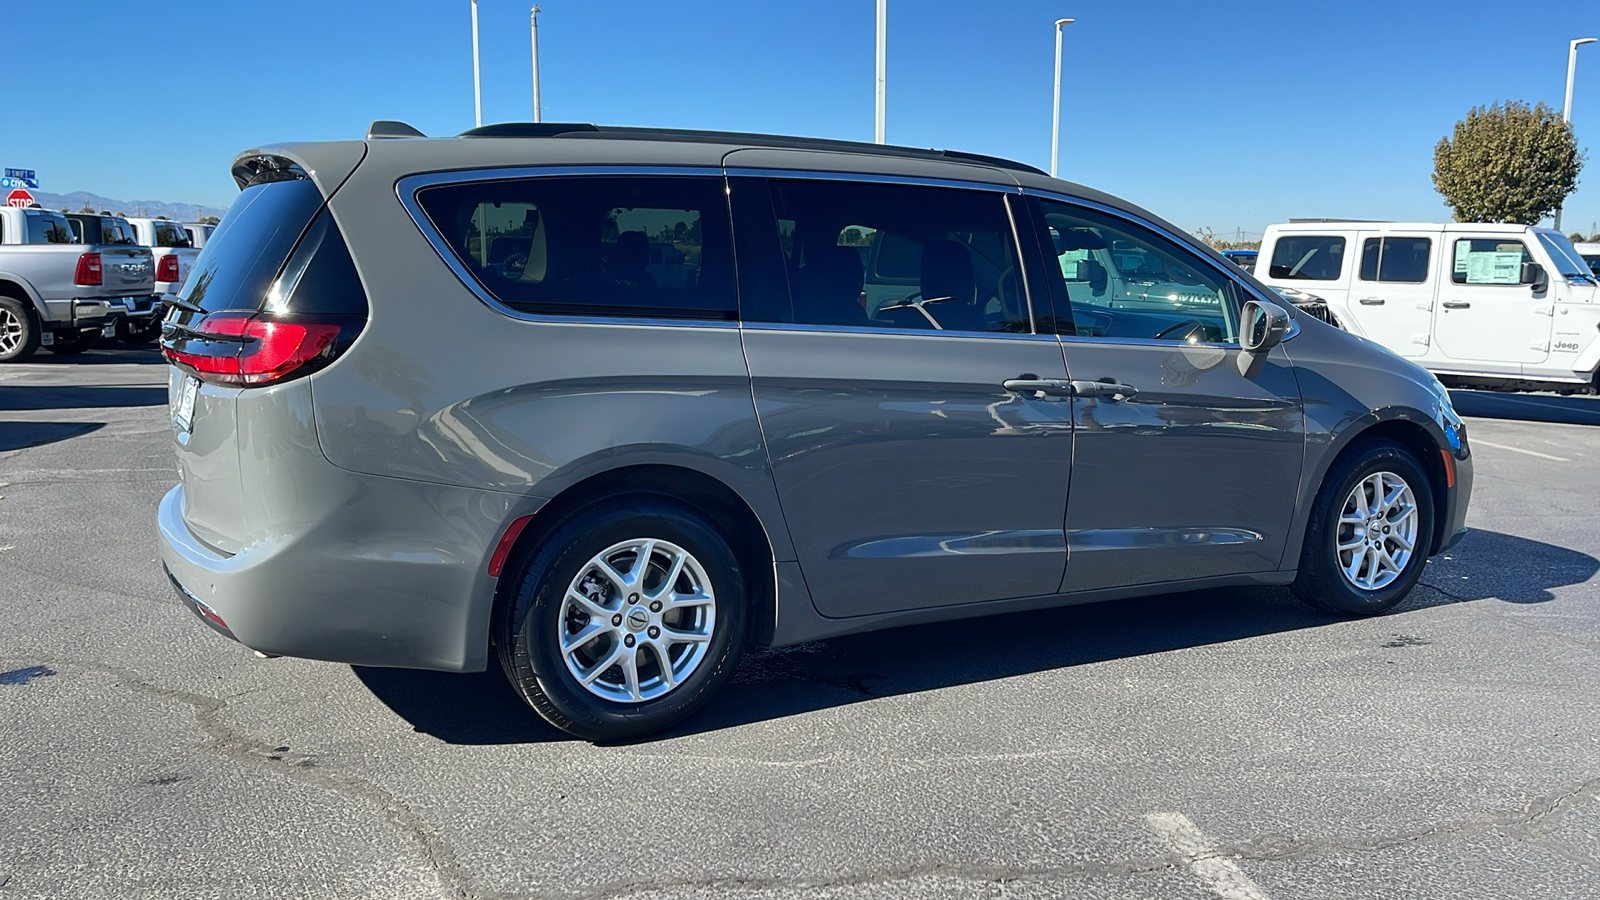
{"x":1371,"y":301}
{"x":1033,"y":384}
{"x":1112,"y":389}
{"x":1455,"y":304}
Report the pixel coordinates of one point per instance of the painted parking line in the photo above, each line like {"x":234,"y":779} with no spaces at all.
{"x":1520,"y":450}
{"x":1222,"y":876}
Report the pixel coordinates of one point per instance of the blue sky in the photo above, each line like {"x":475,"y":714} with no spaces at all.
{"x":1230,"y":119}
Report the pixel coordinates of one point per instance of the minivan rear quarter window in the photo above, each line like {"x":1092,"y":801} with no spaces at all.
{"x":1307,"y":258}
{"x":647,"y":246}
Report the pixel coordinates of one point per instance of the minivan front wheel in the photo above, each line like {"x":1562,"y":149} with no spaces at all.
{"x":1369,"y":534}
{"x":626,"y":619}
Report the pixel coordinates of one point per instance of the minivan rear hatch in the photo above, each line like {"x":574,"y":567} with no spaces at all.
{"x":273,"y":297}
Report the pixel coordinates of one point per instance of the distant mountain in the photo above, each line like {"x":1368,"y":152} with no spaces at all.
{"x":182,"y":212}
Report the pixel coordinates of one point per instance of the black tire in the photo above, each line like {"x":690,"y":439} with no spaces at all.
{"x":67,"y":343}
{"x":531,"y":621}
{"x":1321,"y":583}
{"x":138,"y":333}
{"x":20,"y":339}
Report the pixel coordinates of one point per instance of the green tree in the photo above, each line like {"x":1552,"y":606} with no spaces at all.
{"x":209,"y":220}
{"x":1507,"y":163}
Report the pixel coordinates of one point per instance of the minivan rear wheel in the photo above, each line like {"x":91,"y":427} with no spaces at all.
{"x":625,"y":619}
{"x":1369,"y":534}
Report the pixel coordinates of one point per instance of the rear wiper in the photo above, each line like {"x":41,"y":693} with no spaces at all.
{"x":179,"y":302}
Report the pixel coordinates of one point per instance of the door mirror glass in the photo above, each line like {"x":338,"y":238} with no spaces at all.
{"x":1534,"y":274}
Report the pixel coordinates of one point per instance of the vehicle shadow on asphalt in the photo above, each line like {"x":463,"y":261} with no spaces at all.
{"x":482,"y":708}
{"x":18,"y":435}
{"x":14,"y":398}
{"x":109,"y":355}
{"x":1527,"y":407}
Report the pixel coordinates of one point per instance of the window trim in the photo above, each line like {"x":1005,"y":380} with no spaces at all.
{"x":1528,"y":254}
{"x":407,"y":188}
{"x":767,"y":176}
{"x":1243,"y":292}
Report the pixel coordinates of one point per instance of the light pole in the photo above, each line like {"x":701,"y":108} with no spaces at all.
{"x":883,"y":77}
{"x":533,"y":28}
{"x":1566,"y":108}
{"x":477,"y":85}
{"x":1055,"y":116}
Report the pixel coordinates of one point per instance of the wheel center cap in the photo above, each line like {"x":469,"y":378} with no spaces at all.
{"x":638,"y":619}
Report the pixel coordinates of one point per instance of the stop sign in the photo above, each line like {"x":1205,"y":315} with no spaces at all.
{"x":19,"y":197}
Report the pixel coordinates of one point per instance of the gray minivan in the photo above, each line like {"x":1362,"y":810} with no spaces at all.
{"x":442,"y":402}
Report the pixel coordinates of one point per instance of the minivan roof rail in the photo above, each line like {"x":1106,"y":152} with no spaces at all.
{"x":774,"y":141}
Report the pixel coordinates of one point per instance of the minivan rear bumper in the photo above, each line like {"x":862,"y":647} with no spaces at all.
{"x":338,"y":590}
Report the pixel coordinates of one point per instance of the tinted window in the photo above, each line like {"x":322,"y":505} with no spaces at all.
{"x":1307,"y":258}
{"x":169,"y":234}
{"x":124,"y":232}
{"x":1396,"y":259}
{"x":77,"y":229}
{"x":319,"y":278}
{"x":607,"y":245}
{"x":250,"y":245}
{"x":48,"y":228}
{"x":895,"y":256}
{"x":1121,"y":280}
{"x":1489,"y":261}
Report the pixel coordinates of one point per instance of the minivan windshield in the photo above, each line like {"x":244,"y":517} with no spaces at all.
{"x":1568,"y":262}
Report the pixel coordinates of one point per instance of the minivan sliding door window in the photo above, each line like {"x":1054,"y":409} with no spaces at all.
{"x":899,"y":257}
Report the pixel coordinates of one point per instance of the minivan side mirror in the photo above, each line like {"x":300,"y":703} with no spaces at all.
{"x":1263,"y":326}
{"x":1534,"y":274}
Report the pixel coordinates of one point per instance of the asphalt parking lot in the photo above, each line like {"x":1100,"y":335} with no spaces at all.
{"x":1219,"y":744}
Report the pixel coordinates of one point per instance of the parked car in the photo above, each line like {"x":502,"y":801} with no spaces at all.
{"x":141,"y":319}
{"x":397,"y":448}
{"x":1507,"y":307}
{"x":1245,"y":259}
{"x":174,"y":251}
{"x":58,"y":293}
{"x":1590,"y":251}
{"x":198,"y":232}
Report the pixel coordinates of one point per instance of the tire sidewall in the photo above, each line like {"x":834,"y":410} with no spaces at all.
{"x":1339,"y":592}
{"x":534,"y":661}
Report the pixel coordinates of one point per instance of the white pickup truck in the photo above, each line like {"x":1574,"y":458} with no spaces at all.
{"x":60,"y":294}
{"x":172,"y":247}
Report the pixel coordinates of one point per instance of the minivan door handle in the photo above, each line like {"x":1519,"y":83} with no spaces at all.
{"x":1033,"y":384}
{"x":1371,"y":301}
{"x":1112,"y":389}
{"x":1455,"y":304}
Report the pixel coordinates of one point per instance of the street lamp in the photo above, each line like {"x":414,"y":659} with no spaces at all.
{"x":477,"y":87}
{"x":883,"y":76}
{"x":533,"y":28}
{"x":1055,"y":118}
{"x":1566,"y":109}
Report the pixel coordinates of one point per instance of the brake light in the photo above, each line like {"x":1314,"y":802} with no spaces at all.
{"x":89,"y":270}
{"x":244,"y":348}
{"x":167,"y":268}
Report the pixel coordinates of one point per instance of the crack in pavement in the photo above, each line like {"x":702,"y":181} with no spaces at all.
{"x":222,"y":740}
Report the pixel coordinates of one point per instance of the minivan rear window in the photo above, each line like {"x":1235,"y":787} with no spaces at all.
{"x":1307,"y":258}
{"x":622,"y":245}
{"x":250,"y":245}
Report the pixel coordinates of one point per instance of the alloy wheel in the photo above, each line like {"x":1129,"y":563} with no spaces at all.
{"x":12,"y":331}
{"x":636,"y":620}
{"x":1377,"y":531}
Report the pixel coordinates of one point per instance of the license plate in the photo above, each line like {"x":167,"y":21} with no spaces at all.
{"x":183,"y":416}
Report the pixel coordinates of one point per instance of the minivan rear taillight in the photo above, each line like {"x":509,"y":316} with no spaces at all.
{"x":252,"y":349}
{"x":89,"y":270}
{"x":167,"y":268}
